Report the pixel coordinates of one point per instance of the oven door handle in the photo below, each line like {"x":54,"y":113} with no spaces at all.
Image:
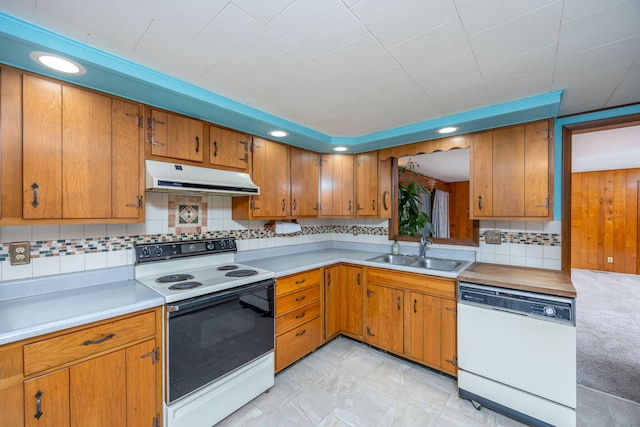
{"x":197,"y":303}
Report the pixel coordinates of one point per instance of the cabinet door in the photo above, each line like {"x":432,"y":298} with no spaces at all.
{"x":385,"y":318}
{"x":41,"y":148}
{"x":126,"y":190}
{"x":228,"y":148}
{"x":184,"y":138}
{"x":426,"y":328}
{"x":367,"y":184}
{"x":141,"y":365}
{"x":482,"y":174}
{"x":271,"y":174}
{"x":449,"y":361}
{"x":332,"y":301}
{"x":352,"y":300}
{"x":305,"y":175}
{"x":508,"y":172}
{"x":538,"y":164}
{"x":384,"y":188}
{"x":98,"y":391}
{"x":337,"y":185}
{"x":46,"y":400}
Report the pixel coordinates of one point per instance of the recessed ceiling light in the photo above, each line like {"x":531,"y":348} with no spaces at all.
{"x":340,"y":149}
{"x":278,"y":133}
{"x":447,"y":129}
{"x":58,"y":63}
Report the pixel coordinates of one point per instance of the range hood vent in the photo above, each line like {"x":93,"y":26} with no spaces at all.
{"x":177,"y":178}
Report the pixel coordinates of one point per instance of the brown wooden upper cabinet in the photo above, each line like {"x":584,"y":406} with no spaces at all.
{"x":337,"y":190}
{"x":512,"y":172}
{"x":81,"y":154}
{"x":305,"y":176}
{"x":228,"y":148}
{"x":373,"y":186}
{"x":174,"y":136}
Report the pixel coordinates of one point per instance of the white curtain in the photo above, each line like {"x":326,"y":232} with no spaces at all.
{"x":440,"y":217}
{"x":426,"y":207}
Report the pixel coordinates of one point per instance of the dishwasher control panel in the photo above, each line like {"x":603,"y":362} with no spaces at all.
{"x":518,"y":302}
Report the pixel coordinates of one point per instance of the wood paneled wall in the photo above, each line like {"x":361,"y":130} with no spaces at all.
{"x":604,"y":220}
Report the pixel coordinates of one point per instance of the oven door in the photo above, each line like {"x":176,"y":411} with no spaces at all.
{"x":213,"y":335}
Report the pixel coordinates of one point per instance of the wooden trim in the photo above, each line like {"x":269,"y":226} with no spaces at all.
{"x":426,"y":147}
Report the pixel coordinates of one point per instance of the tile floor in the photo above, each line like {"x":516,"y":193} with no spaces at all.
{"x":346,"y":383}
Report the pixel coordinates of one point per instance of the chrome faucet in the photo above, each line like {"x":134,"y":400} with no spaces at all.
{"x":424,"y":242}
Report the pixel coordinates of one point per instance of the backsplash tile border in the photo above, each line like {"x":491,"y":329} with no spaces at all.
{"x":68,"y":247}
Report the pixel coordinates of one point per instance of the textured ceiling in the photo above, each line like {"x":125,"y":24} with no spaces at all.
{"x":351,"y":68}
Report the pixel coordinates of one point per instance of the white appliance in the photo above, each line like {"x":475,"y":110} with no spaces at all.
{"x":219,"y":328}
{"x":517,"y":353}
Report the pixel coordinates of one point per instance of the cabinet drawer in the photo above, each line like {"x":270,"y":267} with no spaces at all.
{"x":297,"y":317}
{"x":440,"y":286}
{"x":297,"y":299}
{"x":288,"y":284}
{"x":294,"y":344}
{"x":62,"y":349}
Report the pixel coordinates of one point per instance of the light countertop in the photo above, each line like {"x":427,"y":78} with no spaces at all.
{"x":31,"y":315}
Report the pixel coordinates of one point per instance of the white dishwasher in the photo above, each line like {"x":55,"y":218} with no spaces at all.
{"x":517,"y":353}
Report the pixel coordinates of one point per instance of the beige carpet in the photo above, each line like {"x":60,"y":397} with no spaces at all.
{"x":608,"y":332}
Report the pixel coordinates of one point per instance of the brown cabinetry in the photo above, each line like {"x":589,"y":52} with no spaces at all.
{"x":337,"y":188}
{"x":298,"y":316}
{"x":367,"y":197}
{"x":80,"y":154}
{"x":384,"y":319}
{"x":106,"y":374}
{"x":228,"y":148}
{"x":305,"y":176}
{"x":332,"y":301}
{"x":352,"y":295}
{"x":173,"y":136}
{"x":512,"y":172}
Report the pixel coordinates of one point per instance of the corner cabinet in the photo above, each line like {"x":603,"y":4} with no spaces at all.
{"x":81,"y":154}
{"x":512,"y":172}
{"x":106,"y":373}
{"x":337,"y":191}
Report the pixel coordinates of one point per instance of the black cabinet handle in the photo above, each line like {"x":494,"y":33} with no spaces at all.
{"x":415,"y":305}
{"x":301,"y":333}
{"x":480,"y":202}
{"x":99,"y":340}
{"x":215,"y":148}
{"x":36,"y":194}
{"x":300,"y":316}
{"x":38,"y":413}
{"x":197,"y":144}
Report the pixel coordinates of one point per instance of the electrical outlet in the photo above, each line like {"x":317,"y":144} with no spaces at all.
{"x":610,"y":260}
{"x":19,"y":253}
{"x":493,"y":237}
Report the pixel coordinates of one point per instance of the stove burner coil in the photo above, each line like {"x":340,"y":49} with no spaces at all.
{"x":184,"y":286}
{"x":174,"y":278}
{"x":227,"y":267}
{"x":241,"y":273}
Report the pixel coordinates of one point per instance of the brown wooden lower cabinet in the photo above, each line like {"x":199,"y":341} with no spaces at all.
{"x":298,"y":316}
{"x":105,"y":386}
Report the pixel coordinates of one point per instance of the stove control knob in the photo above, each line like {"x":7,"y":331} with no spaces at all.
{"x":549,"y":311}
{"x":145,"y":252}
{"x":210,"y":246}
{"x":158,"y":250}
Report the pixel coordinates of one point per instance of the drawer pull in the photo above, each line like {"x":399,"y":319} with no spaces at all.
{"x":38,"y":413}
{"x":99,"y":340}
{"x":300,"y":316}
{"x":299,"y":282}
{"x":301,"y":333}
{"x":301,"y":298}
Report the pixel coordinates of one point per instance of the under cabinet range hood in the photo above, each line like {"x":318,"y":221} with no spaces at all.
{"x":177,"y":178}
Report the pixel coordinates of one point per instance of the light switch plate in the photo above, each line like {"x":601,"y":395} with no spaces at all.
{"x":493,"y":237}
{"x":19,"y":253}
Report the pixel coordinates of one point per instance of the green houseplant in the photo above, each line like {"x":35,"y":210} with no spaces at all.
{"x":411,"y":218}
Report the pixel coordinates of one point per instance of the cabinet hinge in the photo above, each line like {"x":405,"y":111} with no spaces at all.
{"x":153,"y":354}
{"x":369,"y":292}
{"x":252,"y":205}
{"x":156,"y":421}
{"x":139,"y":118}
{"x":454,"y":310}
{"x":547,"y":203}
{"x":137,"y":204}
{"x":370,"y":333}
{"x":454,"y":362}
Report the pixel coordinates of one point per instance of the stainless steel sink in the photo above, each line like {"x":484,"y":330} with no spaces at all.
{"x":394,"y":259}
{"x":413,"y":261}
{"x":437,"y":264}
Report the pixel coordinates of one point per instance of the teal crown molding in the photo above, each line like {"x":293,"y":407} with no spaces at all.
{"x":114,"y":75}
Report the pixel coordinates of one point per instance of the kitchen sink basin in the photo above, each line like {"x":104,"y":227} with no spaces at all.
{"x":394,"y":259}
{"x":437,"y":264}
{"x":413,"y":261}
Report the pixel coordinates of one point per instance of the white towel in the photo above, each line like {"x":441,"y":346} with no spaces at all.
{"x":287,"y":227}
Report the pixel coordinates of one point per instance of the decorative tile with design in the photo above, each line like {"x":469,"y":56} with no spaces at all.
{"x":187,"y":214}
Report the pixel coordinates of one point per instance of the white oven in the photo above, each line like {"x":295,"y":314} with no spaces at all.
{"x":219,"y":328}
